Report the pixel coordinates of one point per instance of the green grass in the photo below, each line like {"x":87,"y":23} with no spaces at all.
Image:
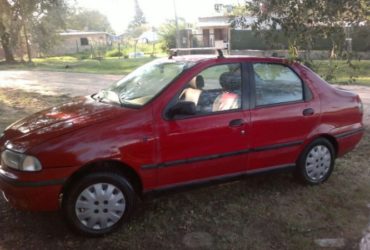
{"x":73,"y":64}
{"x":343,"y":71}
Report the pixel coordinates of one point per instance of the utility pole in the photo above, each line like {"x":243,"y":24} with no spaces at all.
{"x":177,"y":26}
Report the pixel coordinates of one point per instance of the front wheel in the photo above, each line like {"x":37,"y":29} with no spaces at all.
{"x":316,"y":162}
{"x":98,"y":203}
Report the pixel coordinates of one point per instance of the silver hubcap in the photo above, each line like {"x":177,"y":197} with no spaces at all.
{"x":100,"y":206}
{"x":318,"y":162}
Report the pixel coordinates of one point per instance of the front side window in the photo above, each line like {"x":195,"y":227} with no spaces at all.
{"x":217,"y":88}
{"x":276,"y":83}
{"x":143,"y":84}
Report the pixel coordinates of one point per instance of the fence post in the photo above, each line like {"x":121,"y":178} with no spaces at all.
{"x":77,"y":46}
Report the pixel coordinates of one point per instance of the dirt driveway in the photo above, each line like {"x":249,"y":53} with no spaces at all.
{"x":264,"y":212}
{"x":55,"y":83}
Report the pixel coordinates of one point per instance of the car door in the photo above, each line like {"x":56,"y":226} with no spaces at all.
{"x":213,"y":141}
{"x":285,"y":113}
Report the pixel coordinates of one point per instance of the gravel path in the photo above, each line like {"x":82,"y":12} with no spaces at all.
{"x":56,"y":83}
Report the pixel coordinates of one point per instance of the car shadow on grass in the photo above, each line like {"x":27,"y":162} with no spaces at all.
{"x":256,"y":212}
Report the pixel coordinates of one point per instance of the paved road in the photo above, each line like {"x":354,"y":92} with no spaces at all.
{"x":56,"y":83}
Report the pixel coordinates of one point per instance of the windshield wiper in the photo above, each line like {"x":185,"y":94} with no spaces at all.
{"x":104,"y":95}
{"x":119,"y":98}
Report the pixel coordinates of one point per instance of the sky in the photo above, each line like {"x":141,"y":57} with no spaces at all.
{"x":121,"y":12}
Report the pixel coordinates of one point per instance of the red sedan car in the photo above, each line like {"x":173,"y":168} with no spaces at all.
{"x":172,"y":122}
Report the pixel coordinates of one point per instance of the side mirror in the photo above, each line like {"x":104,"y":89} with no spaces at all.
{"x":182,"y":108}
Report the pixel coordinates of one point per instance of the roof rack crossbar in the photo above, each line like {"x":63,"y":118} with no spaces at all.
{"x":220,"y":53}
{"x":174,"y":52}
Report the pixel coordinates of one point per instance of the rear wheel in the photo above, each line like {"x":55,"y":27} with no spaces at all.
{"x":316,"y":162}
{"x":98,"y":203}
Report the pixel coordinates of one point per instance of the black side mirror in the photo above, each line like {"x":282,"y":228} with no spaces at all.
{"x":182,"y":108}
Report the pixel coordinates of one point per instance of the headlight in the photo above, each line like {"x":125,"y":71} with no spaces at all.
{"x":20,"y":161}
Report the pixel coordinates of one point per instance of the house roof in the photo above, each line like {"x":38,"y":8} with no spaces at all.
{"x":213,"y":24}
{"x":148,"y":36}
{"x":214,"y":21}
{"x":83,"y":33}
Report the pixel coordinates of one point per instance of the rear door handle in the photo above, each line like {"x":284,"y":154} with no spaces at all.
{"x":308,"y":112}
{"x":236,"y":123}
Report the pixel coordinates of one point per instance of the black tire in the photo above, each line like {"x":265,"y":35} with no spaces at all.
{"x":304,"y":167}
{"x":104,"y":179}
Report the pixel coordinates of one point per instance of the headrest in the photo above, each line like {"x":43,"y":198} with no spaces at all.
{"x":230,"y":81}
{"x":197,"y":82}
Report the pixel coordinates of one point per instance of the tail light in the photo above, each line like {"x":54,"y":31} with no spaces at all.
{"x":360,"y":106}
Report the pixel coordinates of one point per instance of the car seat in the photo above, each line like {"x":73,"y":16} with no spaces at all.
{"x":194,"y":90}
{"x":230,"y":96}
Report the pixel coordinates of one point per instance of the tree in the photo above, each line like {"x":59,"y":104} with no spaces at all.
{"x":9,"y":29}
{"x":88,"y":20}
{"x":167,"y":32}
{"x":45,"y":29}
{"x":139,"y":18}
{"x":303,"y":21}
{"x":17,"y":18}
{"x":138,"y":25}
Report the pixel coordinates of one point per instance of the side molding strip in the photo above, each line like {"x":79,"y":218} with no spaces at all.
{"x":349,"y":133}
{"x":4,"y":176}
{"x":218,"y":156}
{"x":223,"y":178}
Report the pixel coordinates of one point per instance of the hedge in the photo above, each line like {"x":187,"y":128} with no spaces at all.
{"x":247,"y":39}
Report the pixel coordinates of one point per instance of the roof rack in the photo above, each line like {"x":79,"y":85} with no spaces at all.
{"x":175,"y":51}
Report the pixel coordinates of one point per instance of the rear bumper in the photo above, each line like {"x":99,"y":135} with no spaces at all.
{"x":347,"y":141}
{"x":31,"y":191}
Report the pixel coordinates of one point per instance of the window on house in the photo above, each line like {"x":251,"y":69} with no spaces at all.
{"x":84,"y":41}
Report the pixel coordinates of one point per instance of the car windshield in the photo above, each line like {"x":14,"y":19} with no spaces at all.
{"x":143,"y":84}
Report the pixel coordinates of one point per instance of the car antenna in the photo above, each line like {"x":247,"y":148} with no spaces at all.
{"x":220,"y":53}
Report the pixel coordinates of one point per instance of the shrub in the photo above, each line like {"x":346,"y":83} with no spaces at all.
{"x":114,"y":53}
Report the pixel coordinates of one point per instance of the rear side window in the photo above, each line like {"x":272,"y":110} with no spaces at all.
{"x":276,"y":83}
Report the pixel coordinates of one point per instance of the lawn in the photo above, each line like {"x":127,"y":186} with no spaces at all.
{"x":343,"y":71}
{"x":124,"y":66}
{"x":73,"y":64}
{"x":260,"y":212}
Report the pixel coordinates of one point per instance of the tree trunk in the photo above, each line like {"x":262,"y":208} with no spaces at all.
{"x":29,"y":53}
{"x":5,"y":43}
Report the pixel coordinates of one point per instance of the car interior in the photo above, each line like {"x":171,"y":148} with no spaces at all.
{"x":225,"y":96}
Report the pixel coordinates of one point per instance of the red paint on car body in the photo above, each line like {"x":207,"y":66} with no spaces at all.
{"x":164,"y":152}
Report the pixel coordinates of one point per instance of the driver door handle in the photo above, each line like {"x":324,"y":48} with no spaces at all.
{"x":308,"y":112}
{"x":236,"y":123}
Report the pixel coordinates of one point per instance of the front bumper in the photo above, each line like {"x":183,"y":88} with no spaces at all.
{"x":37,"y":191}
